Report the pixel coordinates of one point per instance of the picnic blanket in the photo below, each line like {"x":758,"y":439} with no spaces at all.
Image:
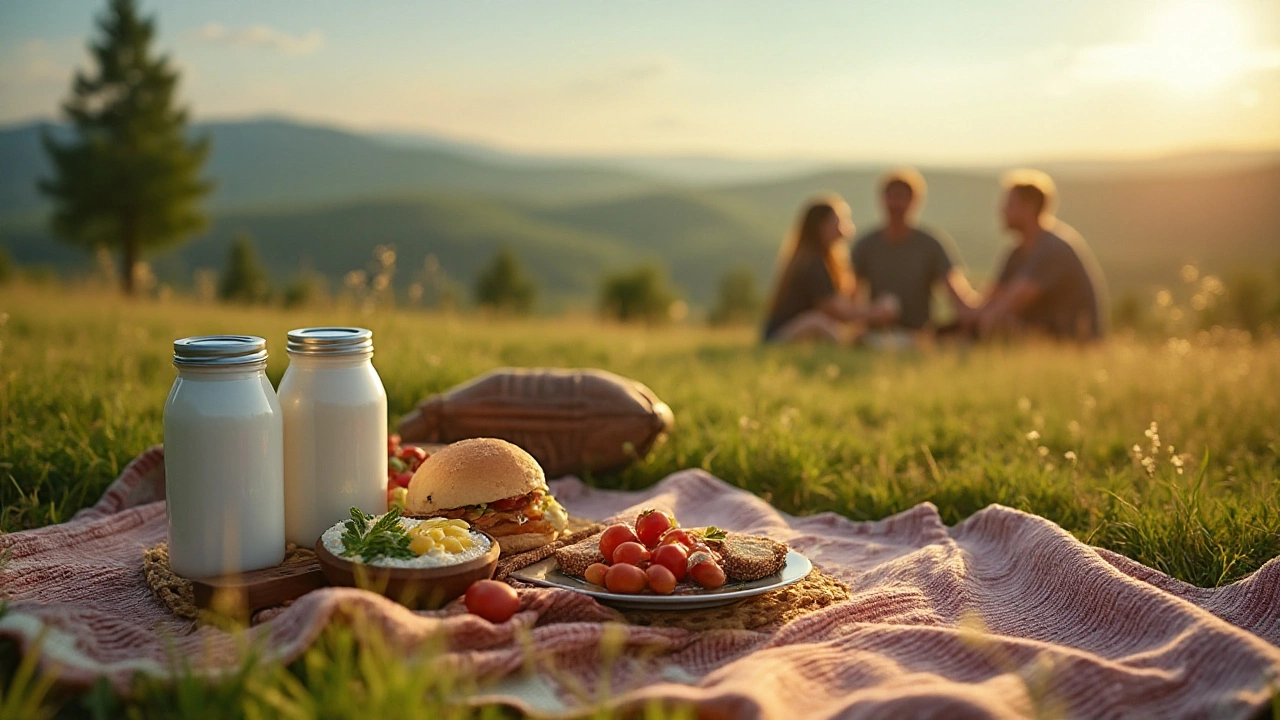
{"x":1003,"y":615}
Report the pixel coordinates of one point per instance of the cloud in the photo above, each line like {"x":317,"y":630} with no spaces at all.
{"x":262,"y":37}
{"x":33,"y":62}
{"x":627,"y":78}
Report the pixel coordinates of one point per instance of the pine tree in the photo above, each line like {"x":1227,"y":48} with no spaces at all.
{"x":245,"y":279}
{"x":504,"y":285}
{"x":129,"y":179}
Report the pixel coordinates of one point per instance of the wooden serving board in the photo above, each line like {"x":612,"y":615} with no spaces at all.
{"x":259,"y":589}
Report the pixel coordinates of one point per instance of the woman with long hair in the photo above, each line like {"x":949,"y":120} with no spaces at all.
{"x":813,"y":295}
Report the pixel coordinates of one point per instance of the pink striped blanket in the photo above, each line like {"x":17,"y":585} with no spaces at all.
{"x":1003,"y":615}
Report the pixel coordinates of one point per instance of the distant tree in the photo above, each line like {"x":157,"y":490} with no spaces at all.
{"x":737,"y":300}
{"x":244,"y":279}
{"x":639,"y":294}
{"x":307,"y":289}
{"x":505,"y":286}
{"x":128,"y":180}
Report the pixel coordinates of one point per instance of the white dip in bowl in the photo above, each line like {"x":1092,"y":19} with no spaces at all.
{"x":332,"y":539}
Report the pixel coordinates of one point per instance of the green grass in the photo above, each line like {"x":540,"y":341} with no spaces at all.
{"x":85,"y":375}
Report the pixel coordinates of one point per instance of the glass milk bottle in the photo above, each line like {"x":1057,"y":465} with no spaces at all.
{"x":335,"y":430}
{"x":223,"y":458}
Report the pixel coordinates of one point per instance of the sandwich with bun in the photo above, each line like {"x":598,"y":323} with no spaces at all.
{"x":492,"y":484}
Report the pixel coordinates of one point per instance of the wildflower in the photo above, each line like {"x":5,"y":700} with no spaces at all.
{"x":1176,"y":461}
{"x":1033,"y":436}
{"x":1149,"y":464}
{"x":1190,"y":273}
{"x":1070,"y":456}
{"x":1044,"y":451}
{"x":1137,"y":449}
{"x":1024,"y":404}
{"x":1164,"y":298}
{"x":1074,"y":428}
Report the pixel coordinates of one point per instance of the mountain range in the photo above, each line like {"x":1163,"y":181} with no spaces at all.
{"x":322,"y":198}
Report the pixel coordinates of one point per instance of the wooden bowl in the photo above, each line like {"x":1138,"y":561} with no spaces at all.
{"x":415,"y":588}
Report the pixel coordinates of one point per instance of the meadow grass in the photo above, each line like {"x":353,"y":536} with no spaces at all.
{"x":1166,"y":452}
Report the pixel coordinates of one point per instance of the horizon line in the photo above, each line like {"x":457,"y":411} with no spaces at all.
{"x":817,"y":163}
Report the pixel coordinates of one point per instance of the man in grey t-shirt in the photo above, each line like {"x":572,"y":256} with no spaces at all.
{"x":905,"y":262}
{"x":1050,"y":282}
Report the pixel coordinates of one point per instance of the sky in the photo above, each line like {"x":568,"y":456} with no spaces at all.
{"x":929,"y":81}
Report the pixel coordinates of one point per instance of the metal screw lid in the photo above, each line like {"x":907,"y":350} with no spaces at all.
{"x":219,"y":351}
{"x":330,"y":341}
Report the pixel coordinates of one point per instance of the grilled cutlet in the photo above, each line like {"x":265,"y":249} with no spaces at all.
{"x":748,"y":557}
{"x":575,"y":558}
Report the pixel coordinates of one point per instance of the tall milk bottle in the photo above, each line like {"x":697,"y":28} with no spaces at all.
{"x":223,"y":458}
{"x":335,"y":430}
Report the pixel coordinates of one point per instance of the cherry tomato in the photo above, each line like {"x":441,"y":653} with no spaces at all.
{"x":678,"y":536}
{"x":492,"y":600}
{"x":613,"y":536}
{"x":393,"y":442}
{"x":631,"y":553}
{"x":707,"y":574}
{"x":672,"y":557}
{"x":402,"y":480}
{"x":595,"y":573}
{"x":414,"y":454}
{"x":625,"y":579}
{"x":651,"y":524}
{"x":661,"y":581}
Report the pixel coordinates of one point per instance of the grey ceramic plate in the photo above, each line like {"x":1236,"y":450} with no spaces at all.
{"x":547,"y":573}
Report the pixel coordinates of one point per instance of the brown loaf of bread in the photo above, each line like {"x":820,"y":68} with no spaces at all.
{"x":572,"y":421}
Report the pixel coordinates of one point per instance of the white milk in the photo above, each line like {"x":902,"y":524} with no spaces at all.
{"x":224,"y":459}
{"x":335,"y":431}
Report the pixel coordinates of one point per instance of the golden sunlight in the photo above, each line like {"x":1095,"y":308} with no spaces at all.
{"x":1196,"y":45}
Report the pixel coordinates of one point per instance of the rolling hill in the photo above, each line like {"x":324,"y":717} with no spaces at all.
{"x":324,"y":198}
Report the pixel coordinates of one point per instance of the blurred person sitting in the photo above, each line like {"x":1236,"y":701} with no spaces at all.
{"x":902,"y":264}
{"x":1050,"y":283}
{"x":811,"y":298}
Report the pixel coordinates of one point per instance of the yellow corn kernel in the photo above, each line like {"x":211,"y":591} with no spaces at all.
{"x":421,"y":545}
{"x":455,"y":531}
{"x":452,"y":545}
{"x":435,"y":533}
{"x":459,"y":523}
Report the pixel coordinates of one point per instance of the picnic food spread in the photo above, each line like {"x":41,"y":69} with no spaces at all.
{"x":496,"y":486}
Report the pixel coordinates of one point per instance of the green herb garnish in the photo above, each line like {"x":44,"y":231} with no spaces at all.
{"x":368,"y":540}
{"x":711,"y":533}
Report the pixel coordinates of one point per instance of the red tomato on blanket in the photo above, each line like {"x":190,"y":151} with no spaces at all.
{"x":492,"y":600}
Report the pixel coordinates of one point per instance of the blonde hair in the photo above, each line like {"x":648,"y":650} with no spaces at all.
{"x":804,"y":241}
{"x":1032,"y":186}
{"x":908,"y":177}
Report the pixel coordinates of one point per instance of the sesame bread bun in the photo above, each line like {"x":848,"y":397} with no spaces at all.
{"x":472,"y":472}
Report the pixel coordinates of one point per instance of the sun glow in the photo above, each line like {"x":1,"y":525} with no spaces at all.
{"x":1196,"y":46}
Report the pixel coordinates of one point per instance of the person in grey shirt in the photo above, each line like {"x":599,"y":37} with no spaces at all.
{"x":1050,"y":283}
{"x":902,"y":261}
